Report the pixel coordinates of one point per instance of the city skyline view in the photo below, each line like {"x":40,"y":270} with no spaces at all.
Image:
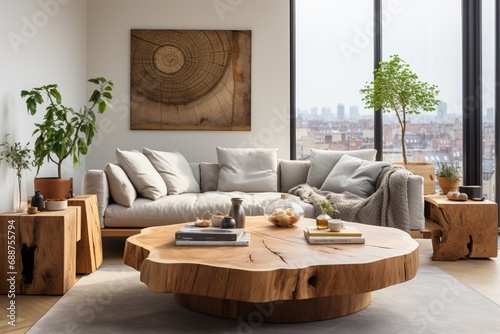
{"x":335,"y":49}
{"x":334,"y":60}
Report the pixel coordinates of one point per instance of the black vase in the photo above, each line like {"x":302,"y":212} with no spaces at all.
{"x":37,"y":200}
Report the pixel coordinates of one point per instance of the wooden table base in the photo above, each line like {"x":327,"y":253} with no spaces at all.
{"x":279,"y":277}
{"x":461,"y":229}
{"x":278,"y":311}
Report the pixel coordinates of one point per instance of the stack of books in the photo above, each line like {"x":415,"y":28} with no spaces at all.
{"x":191,"y":235}
{"x":348,"y":235}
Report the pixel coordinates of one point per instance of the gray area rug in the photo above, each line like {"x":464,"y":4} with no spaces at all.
{"x":113,"y":300}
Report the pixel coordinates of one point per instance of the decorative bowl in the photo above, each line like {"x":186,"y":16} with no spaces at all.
{"x":284,"y":212}
{"x":32,"y":210}
{"x":56,"y":204}
{"x":216,"y":220}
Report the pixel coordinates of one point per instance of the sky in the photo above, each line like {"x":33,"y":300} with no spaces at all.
{"x":335,"y":48}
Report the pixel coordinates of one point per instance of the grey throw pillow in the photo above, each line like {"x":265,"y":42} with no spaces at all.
{"x":121,"y":188}
{"x":141,"y":172}
{"x":323,"y":161}
{"x":355,"y":175}
{"x":174,"y":170}
{"x":248,"y":169}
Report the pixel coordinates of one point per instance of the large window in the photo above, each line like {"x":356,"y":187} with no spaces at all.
{"x":488,"y":91}
{"x":334,"y":52}
{"x":430,"y":42}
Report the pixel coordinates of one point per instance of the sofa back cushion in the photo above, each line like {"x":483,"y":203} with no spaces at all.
{"x":323,"y":161}
{"x":354,"y":175}
{"x":174,"y":170}
{"x":248,"y":169}
{"x":209,"y":176}
{"x":292,"y":173}
{"x":146,"y":180}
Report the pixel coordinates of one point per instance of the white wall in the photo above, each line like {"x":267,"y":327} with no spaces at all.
{"x":68,"y":41}
{"x":108,"y":54}
{"x":41,"y":42}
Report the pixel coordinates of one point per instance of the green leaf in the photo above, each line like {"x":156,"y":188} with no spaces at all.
{"x":96,"y":96}
{"x":102,"y":107}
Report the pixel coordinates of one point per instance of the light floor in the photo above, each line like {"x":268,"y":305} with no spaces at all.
{"x":483,"y":275}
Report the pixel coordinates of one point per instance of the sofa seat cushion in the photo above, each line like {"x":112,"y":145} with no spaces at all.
{"x":185,"y":207}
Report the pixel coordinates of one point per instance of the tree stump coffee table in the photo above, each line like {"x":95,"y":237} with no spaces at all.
{"x":279,"y":277}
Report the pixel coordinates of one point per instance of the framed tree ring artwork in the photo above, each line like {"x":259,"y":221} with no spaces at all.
{"x":190,"y":80}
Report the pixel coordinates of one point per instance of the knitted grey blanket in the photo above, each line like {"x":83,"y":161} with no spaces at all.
{"x":387,"y":206}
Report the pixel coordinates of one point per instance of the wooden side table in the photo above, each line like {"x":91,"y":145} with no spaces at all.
{"x":38,"y":252}
{"x":461,"y":228}
{"x":89,"y":248}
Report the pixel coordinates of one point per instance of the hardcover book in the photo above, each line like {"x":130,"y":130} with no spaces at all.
{"x":347,"y":231}
{"x":193,"y":233}
{"x":317,"y":240}
{"x":243,"y":240}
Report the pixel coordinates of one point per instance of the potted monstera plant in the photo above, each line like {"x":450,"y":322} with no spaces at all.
{"x":396,"y":89}
{"x":64,"y":131}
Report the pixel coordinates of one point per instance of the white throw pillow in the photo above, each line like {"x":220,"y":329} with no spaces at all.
{"x":355,"y":175}
{"x":121,"y":188}
{"x":141,"y":172}
{"x":248,"y":169}
{"x":174,"y":170}
{"x":323,"y":161}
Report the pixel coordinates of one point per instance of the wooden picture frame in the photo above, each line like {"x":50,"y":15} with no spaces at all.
{"x":190,"y":80}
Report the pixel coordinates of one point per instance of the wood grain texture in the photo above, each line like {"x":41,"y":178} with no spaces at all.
{"x":45,"y":251}
{"x":89,"y":247}
{"x":279,"y":264}
{"x":467,"y":229}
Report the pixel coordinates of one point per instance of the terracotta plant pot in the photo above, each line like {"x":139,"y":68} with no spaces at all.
{"x":424,"y":169}
{"x":448,"y":185}
{"x":52,"y":187}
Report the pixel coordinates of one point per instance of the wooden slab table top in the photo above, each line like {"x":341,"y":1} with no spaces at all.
{"x":279,"y":275}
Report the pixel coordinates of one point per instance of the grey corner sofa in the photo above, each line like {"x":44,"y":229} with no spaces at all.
{"x":124,"y":214}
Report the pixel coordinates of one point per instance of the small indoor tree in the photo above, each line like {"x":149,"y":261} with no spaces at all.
{"x":396,"y":89}
{"x":18,"y":158}
{"x":65,"y":132}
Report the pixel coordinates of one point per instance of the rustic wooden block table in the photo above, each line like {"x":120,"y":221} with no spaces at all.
{"x":461,"y":228}
{"x":89,"y":248}
{"x":279,"y":271}
{"x":38,"y":251}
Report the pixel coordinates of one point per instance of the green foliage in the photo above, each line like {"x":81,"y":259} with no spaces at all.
{"x":449,"y":171}
{"x":327,"y":208}
{"x":16,"y":156}
{"x":65,"y":132}
{"x":396,"y":89}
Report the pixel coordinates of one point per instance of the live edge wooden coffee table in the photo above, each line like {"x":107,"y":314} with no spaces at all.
{"x":279,"y":276}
